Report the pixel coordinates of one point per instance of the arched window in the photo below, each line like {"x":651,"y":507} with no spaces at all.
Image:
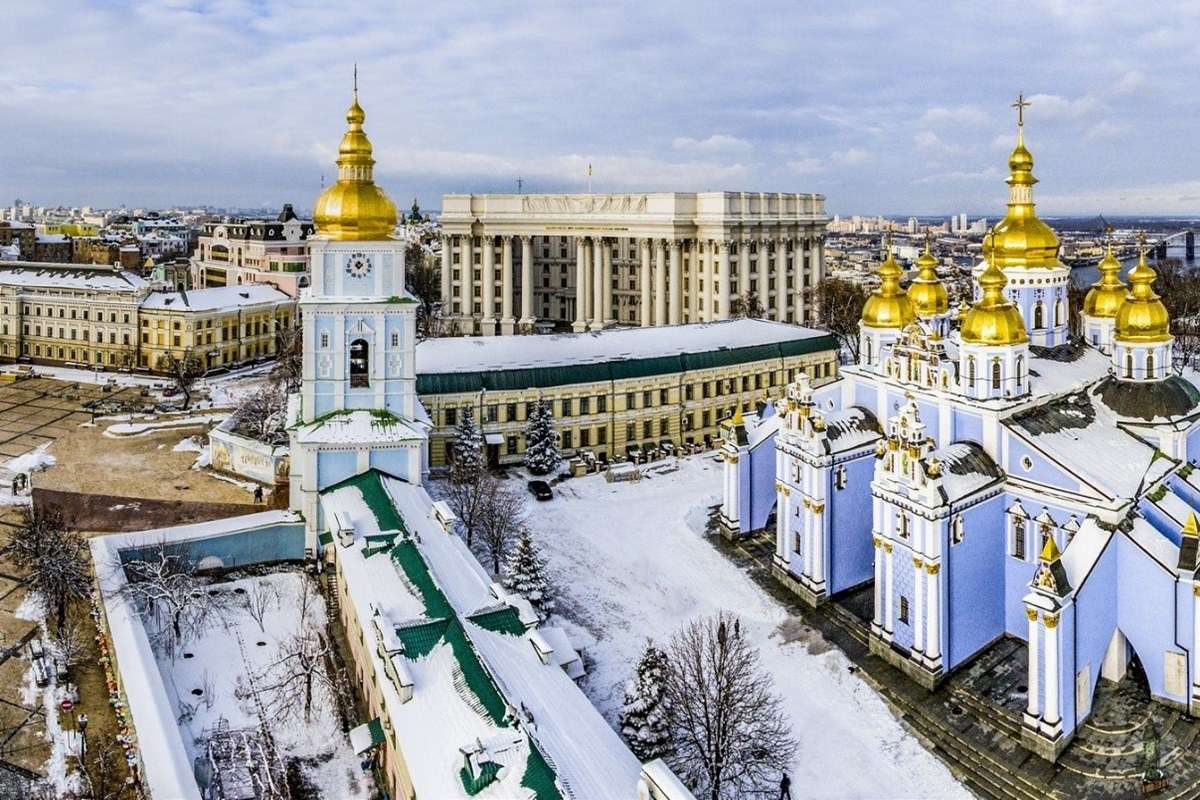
{"x":1128,"y":364}
{"x":971,"y":371}
{"x":867,"y":349}
{"x":1039,"y":314}
{"x":1149,"y":365}
{"x":1058,"y":313}
{"x":360,"y":361}
{"x":1020,"y":371}
{"x":995,"y":373}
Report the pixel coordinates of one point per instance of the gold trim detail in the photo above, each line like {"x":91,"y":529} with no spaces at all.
{"x":1051,"y":621}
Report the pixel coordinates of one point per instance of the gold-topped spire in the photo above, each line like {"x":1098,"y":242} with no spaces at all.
{"x":1142,"y":317}
{"x":1107,"y":294}
{"x":927,"y":293}
{"x":354,"y":208}
{"x":1021,"y":239}
{"x":888,"y":306}
{"x":1050,"y":552}
{"x":993,"y":320}
{"x":1191,"y":526}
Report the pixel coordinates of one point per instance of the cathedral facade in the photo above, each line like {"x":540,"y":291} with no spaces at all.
{"x":991,"y":476}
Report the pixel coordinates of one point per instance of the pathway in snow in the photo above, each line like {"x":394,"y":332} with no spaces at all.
{"x":631,"y":562}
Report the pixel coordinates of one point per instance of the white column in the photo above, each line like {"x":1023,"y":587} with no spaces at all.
{"x":646,"y":282}
{"x":1195,"y":645}
{"x":933,"y":632}
{"x":782,"y":546}
{"x":781,"y":297}
{"x":489,"y":285}
{"x":1051,"y":714}
{"x":877,"y":609}
{"x":526,"y":281}
{"x":818,"y":270}
{"x":743,"y":289}
{"x":676,"y":283}
{"x":918,"y":617}
{"x":447,"y":274}
{"x":466,"y":269}
{"x":732,"y":504}
{"x":660,"y":282}
{"x":606,"y":297}
{"x":596,"y":312}
{"x":581,"y":283}
{"x":1031,"y":681}
{"x":506,"y":285}
{"x":708,"y":296}
{"x":804,"y":254}
{"x":764,"y":277}
{"x":724,"y":281}
{"x":889,"y":598}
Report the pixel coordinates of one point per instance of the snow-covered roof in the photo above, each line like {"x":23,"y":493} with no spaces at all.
{"x":1055,"y":370}
{"x":480,"y":353}
{"x":217,"y":297}
{"x":67,"y":276}
{"x":1081,"y":553}
{"x":966,"y":468}
{"x":426,"y":575}
{"x":1150,"y":539}
{"x":851,"y":428}
{"x":357,"y":426}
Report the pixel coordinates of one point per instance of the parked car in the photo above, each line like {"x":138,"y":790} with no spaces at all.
{"x":540,"y":490}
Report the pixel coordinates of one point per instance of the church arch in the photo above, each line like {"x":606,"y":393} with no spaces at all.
{"x":996,"y":373}
{"x":360,"y":364}
{"x":1128,"y":364}
{"x":1058,"y":313}
{"x":1150,"y":365}
{"x":1039,"y":315}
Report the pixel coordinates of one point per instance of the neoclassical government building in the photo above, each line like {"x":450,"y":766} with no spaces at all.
{"x":661,"y":258}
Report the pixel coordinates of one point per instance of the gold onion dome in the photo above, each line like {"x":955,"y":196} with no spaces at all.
{"x":927,"y":293}
{"x":354,"y":208}
{"x":1142,"y":317}
{"x":888,"y":306}
{"x":1021,"y":239}
{"x":1108,"y":293}
{"x":993,"y":320}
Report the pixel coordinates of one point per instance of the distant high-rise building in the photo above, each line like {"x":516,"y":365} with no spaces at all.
{"x":912,"y":224}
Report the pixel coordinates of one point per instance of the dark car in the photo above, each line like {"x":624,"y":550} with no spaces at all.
{"x":540,"y":490}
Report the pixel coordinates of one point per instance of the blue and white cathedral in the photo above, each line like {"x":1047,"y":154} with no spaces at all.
{"x":991,"y":476}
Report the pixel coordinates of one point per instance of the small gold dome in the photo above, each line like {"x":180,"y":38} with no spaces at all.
{"x":888,"y":306}
{"x":1021,"y":239}
{"x":993,"y":320}
{"x":1142,"y":317}
{"x":1108,"y":293}
{"x":354,"y":208}
{"x":927,"y":293}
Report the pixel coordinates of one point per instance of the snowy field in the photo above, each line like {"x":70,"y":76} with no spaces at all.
{"x":202,"y":682}
{"x":631,"y":561}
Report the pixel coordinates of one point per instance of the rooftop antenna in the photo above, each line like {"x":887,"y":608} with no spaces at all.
{"x":520,"y":184}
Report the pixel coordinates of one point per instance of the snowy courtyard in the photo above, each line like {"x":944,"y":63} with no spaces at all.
{"x":207,"y":679}
{"x":631,"y":562}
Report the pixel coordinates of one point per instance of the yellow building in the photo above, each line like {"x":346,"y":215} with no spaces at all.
{"x":616,"y":393}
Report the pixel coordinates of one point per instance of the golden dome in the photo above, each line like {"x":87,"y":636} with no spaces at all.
{"x":1108,"y":293}
{"x":993,"y":320}
{"x":354,"y":208}
{"x":1142,"y":317}
{"x":888,"y":306}
{"x":926,"y":293}
{"x":1021,"y":239}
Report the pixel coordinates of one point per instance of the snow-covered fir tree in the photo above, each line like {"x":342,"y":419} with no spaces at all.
{"x":468,"y":448}
{"x":643,"y":716}
{"x":541,"y":442}
{"x":525,"y":573}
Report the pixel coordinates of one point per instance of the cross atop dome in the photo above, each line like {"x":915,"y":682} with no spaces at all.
{"x":1020,"y":106}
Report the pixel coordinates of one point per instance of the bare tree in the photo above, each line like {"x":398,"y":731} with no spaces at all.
{"x":289,"y":358}
{"x":466,"y":499}
{"x":746,"y":305}
{"x":184,"y":370}
{"x":261,"y":597}
{"x":501,"y":516}
{"x":423,"y":279}
{"x":163,"y":583}
{"x":298,"y":671}
{"x":732,"y":738}
{"x":71,"y":643}
{"x":51,"y":558}
{"x":104,"y":768}
{"x":262,"y":415}
{"x":839,"y":306}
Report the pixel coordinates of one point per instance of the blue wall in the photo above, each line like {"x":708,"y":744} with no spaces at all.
{"x":393,"y":461}
{"x":1096,"y":617}
{"x":334,"y":466}
{"x":1146,"y":596}
{"x":1042,"y":470}
{"x":904,"y":586}
{"x":271,"y":543}
{"x":850,"y":556}
{"x":759,"y":484}
{"x":975,"y":599}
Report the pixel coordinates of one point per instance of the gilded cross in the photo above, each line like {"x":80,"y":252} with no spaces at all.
{"x":1020,"y":106}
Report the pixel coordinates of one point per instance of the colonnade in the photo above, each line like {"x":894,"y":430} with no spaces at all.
{"x":678,"y":279}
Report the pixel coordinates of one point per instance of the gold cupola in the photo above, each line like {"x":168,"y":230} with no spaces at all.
{"x":888,"y":306}
{"x":927,"y":293}
{"x":1108,"y":293}
{"x":994,"y":320}
{"x":354,"y":208}
{"x":1142,"y":317}
{"x":1021,"y":239}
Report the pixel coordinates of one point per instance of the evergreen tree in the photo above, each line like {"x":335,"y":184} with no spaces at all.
{"x":643,"y":717}
{"x":525,"y":573}
{"x":468,"y":449}
{"x":541,"y":442}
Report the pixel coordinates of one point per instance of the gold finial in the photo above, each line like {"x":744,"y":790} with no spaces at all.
{"x":928,"y":238}
{"x":1020,"y":106}
{"x":737,"y":415}
{"x":355,"y":80}
{"x":1050,"y":552}
{"x":1191,"y":527}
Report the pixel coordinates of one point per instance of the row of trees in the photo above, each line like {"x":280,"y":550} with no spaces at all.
{"x":705,"y":706}
{"x":542,"y":454}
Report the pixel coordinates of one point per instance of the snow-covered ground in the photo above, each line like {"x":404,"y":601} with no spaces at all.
{"x":214,"y":662}
{"x":631,"y":561}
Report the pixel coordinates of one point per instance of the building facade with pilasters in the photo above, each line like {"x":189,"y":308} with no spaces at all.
{"x":635,"y":259}
{"x":1020,"y":484}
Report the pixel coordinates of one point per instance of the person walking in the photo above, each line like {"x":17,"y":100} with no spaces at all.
{"x":785,"y":787}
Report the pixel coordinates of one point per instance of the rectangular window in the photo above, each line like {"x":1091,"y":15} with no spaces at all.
{"x":566,"y":407}
{"x":839,"y":479}
{"x":662,"y":397}
{"x":490,"y":411}
{"x":902,"y":524}
{"x":1019,"y":538}
{"x":904,"y":610}
{"x":647,"y":428}
{"x":451,"y":416}
{"x":585,"y":406}
{"x":630,"y":431}
{"x":585,"y":438}
{"x":602,"y":404}
{"x":511,"y":445}
{"x":630,"y":400}
{"x":510,"y":412}
{"x":602,"y":436}
{"x":566,"y":440}
{"x":646,"y":401}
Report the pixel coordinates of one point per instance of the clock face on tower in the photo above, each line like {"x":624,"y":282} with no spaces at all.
{"x":358,"y":265}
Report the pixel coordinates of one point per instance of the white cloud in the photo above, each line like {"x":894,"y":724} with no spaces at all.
{"x":958,"y":115}
{"x":851,"y":156}
{"x":718,"y":143}
{"x":1055,"y":108}
{"x":959,"y":176}
{"x":1106,"y":129}
{"x":1130,"y":82}
{"x":805,"y":166}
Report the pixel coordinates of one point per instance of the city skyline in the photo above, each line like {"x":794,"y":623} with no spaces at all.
{"x":897,"y":109}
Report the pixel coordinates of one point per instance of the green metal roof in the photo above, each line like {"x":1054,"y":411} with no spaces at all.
{"x":541,"y":377}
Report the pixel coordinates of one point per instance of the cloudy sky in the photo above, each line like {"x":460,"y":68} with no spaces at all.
{"x":886,"y":107}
